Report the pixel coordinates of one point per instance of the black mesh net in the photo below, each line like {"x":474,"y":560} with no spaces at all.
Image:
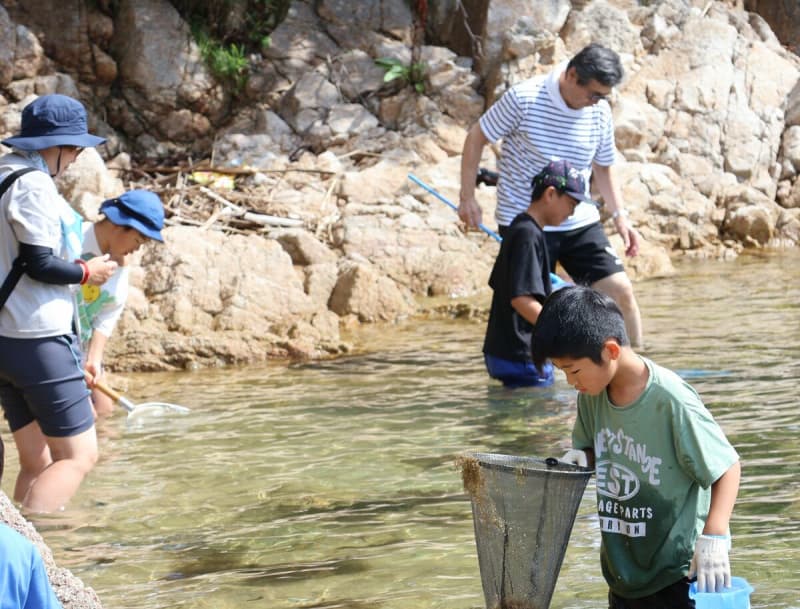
{"x":523,"y":509}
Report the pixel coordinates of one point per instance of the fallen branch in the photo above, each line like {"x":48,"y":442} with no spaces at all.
{"x":181,"y":221}
{"x":247,"y":171}
{"x":253,"y":217}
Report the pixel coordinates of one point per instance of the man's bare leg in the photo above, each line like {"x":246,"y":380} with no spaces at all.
{"x":619,"y":287}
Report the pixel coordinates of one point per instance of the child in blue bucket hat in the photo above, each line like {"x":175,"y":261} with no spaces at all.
{"x":43,"y":390}
{"x":130,"y":220}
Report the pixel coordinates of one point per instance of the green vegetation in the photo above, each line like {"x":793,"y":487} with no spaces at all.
{"x":228,"y":63}
{"x":227,"y":31}
{"x":413,"y":74}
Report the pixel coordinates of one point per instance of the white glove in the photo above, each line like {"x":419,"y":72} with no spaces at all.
{"x":575,"y":457}
{"x":710,"y":563}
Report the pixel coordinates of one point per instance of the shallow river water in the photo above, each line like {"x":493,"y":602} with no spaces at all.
{"x":332,"y":485}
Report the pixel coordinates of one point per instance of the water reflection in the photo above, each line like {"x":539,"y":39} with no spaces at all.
{"x":333,"y":484}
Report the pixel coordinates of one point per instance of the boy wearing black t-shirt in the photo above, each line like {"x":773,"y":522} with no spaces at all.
{"x":521,"y":277}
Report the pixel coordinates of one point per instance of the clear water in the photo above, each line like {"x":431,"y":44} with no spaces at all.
{"x":332,"y":485}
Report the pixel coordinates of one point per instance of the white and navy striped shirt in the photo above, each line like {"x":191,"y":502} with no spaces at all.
{"x":537,"y":126}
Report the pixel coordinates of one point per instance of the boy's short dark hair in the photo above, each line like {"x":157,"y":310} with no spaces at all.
{"x":575,"y":322}
{"x":596,"y":62}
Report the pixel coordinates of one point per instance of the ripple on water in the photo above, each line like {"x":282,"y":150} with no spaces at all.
{"x":333,"y":484}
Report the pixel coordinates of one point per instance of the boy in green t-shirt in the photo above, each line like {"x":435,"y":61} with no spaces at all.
{"x":667,"y":478}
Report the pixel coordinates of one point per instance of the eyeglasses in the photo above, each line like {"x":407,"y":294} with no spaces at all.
{"x":594,"y":96}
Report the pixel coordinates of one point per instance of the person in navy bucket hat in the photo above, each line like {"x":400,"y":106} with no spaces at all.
{"x":53,"y":120}
{"x":43,"y":390}
{"x":131,"y":220}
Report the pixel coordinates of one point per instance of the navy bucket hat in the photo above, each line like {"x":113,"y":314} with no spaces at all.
{"x":138,"y":209}
{"x":53,"y":120}
{"x":561,"y":175}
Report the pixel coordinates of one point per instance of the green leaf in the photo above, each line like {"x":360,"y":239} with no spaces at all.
{"x":387,"y":62}
{"x":393,"y":73}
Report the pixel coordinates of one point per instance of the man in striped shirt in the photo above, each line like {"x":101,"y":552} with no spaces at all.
{"x":561,"y":115}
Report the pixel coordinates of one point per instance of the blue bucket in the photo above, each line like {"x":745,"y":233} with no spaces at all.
{"x":735,"y":597}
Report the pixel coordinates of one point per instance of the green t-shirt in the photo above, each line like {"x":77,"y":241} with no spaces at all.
{"x":655,"y":462}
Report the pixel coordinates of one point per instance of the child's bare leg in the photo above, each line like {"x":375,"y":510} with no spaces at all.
{"x":34,"y":457}
{"x":73,"y":458}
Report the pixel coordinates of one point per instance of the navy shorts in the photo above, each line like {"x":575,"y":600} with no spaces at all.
{"x":518,"y":374}
{"x":585,"y":253}
{"x":41,"y":379}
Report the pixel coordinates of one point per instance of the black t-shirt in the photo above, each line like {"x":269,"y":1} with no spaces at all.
{"x":521,"y":269}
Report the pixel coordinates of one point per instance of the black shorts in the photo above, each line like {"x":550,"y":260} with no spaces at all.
{"x":585,"y":253}
{"x":675,"y":596}
{"x":41,"y":379}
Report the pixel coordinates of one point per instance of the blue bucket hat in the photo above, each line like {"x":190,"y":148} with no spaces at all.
{"x":53,"y":120}
{"x":138,"y":209}
{"x":561,"y":175}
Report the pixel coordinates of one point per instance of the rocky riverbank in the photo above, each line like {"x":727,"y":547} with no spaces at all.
{"x":301,"y":219}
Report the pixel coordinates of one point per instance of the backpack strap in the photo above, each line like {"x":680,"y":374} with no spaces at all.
{"x":17,"y":269}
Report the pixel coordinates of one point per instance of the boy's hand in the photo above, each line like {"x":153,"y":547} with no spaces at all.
{"x":100,"y":269}
{"x":710,"y":563}
{"x":575,"y":457}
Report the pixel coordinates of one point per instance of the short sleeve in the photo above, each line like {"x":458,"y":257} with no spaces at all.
{"x":582,"y":436}
{"x":111,"y":310}
{"x":31,"y":213}
{"x":526,"y":265}
{"x":40,"y":592}
{"x":503,"y":117}
{"x":701,"y":446}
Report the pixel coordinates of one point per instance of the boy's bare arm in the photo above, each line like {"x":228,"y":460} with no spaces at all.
{"x":723,"y":497}
{"x":528,"y":307}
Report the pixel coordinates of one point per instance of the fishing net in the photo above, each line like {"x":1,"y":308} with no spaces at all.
{"x":523,"y":509}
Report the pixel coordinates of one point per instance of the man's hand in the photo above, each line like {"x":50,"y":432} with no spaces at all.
{"x":629,"y":236}
{"x":575,"y":457}
{"x":710,"y":563}
{"x":470,"y":212}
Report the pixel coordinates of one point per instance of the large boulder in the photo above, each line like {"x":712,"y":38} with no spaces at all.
{"x":367,"y":294}
{"x":209,"y":298}
{"x":75,"y":35}
{"x":167,"y":93}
